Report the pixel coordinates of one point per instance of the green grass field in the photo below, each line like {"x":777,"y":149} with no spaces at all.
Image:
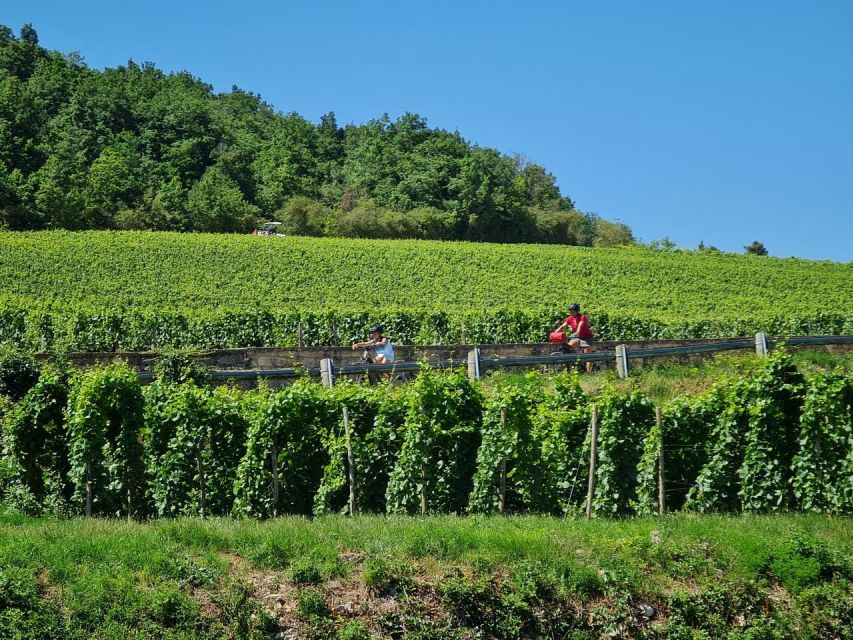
{"x":437,"y":577}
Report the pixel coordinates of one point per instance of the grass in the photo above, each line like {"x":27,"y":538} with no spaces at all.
{"x":663,"y":382}
{"x":365,"y":577}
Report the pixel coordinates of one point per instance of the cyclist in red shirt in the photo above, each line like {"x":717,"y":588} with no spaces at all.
{"x":582,"y":336}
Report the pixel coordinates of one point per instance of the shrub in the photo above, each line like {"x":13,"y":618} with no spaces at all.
{"x":438,"y":456}
{"x":105,"y":418}
{"x":18,"y":373}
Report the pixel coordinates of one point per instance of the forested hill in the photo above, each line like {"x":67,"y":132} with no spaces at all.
{"x":136,"y":148}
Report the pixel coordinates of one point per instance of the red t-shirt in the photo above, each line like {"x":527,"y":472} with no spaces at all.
{"x":573,"y":322}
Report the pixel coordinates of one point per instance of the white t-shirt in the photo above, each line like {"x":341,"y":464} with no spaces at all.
{"x":386,"y":350}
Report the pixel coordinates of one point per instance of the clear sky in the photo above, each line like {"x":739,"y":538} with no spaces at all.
{"x":723,"y":122}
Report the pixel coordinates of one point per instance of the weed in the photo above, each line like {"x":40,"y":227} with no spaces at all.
{"x":174,"y":609}
{"x":485,"y":606}
{"x":311,"y":605}
{"x":305,"y":574}
{"x":383,"y":577}
{"x":353,"y":630}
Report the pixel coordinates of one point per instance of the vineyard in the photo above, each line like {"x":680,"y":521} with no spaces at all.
{"x":135,"y":291}
{"x":95,"y":442}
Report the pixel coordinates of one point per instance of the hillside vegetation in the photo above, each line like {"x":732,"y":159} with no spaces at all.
{"x":137,"y":290}
{"x":435,"y":578}
{"x":136,"y":148}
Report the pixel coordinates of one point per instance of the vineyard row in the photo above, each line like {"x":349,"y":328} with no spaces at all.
{"x":81,"y":329}
{"x":98,"y":443}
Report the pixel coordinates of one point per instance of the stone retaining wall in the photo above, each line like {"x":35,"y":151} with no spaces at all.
{"x":309,"y":357}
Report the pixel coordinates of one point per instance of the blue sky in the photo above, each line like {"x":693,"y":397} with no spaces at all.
{"x":723,"y":122}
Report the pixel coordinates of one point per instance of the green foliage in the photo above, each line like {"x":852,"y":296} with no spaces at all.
{"x":383,"y":577}
{"x":105,"y":419}
{"x":716,"y":486}
{"x":563,"y":423}
{"x":756,"y":248}
{"x":623,"y":422}
{"x":485,"y":606}
{"x":195,"y":439}
{"x":753,"y":443}
{"x":823,"y":466}
{"x":24,"y":614}
{"x":684,"y":432}
{"x":827,"y":610}
{"x":284,"y":450}
{"x":377,"y":418}
{"x":764,"y":441}
{"x":57,"y":296}
{"x":510,"y":454}
{"x":37,"y":441}
{"x":772,"y":437}
{"x":438,"y":456}
{"x":135,"y":148}
{"x":18,"y":373}
{"x":311,"y":605}
{"x":178,"y":366}
{"x":353,"y":630}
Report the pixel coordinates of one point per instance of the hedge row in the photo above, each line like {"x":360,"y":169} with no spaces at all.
{"x":765,"y":442}
{"x":80,"y":329}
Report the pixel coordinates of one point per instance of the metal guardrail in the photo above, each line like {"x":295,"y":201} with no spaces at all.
{"x":522,"y":361}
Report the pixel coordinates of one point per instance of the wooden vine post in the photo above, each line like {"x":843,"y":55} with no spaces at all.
{"x":202,"y":489}
{"x":593,"y":454}
{"x":423,"y":490}
{"x":661,"y":468}
{"x":274,"y":456}
{"x":502,"y":503}
{"x":88,"y":490}
{"x":300,"y":335}
{"x":350,"y":461}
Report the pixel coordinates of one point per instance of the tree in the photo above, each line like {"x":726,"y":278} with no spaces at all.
{"x":756,"y":248}
{"x":303,"y":216}
{"x":28,"y":34}
{"x":134,"y":147}
{"x":215,"y":204}
{"x":612,"y":234}
{"x":664,"y":244}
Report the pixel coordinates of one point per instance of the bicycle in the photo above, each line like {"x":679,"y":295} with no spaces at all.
{"x":560,"y":339}
{"x":374,"y":378}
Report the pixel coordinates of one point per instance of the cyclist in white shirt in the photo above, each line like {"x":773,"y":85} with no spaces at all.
{"x":380,"y":345}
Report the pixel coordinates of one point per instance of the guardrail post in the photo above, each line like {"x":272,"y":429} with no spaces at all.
{"x":761,"y":343}
{"x":327,"y":372}
{"x":474,"y":364}
{"x":622,"y":369}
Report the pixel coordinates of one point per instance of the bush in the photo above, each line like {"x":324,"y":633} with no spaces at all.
{"x":37,"y":439}
{"x":439,"y":451}
{"x":310,"y":605}
{"x":105,"y":419}
{"x":179,"y":366}
{"x":302,"y":216}
{"x":18,"y":373}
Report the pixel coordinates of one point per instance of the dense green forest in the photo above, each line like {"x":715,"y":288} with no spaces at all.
{"x":136,"y":148}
